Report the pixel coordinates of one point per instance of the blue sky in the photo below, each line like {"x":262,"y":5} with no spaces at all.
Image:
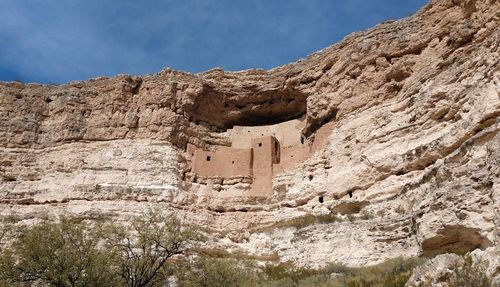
{"x":58,"y":41}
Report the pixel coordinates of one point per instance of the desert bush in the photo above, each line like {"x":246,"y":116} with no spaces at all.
{"x":147,"y":244}
{"x":464,"y":274}
{"x":6,"y":271}
{"x":391,"y":273}
{"x":146,"y":252}
{"x":4,"y":230}
{"x":470,"y":275}
{"x":216,"y":272}
{"x":66,"y":253}
{"x":287,"y":273}
{"x":231,"y":272}
{"x":73,"y":253}
{"x":5,"y":255}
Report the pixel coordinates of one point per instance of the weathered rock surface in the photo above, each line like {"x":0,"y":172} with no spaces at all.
{"x":412,"y":165}
{"x":489,"y":260}
{"x":438,"y":271}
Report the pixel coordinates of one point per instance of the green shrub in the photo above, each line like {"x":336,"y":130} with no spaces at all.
{"x":287,"y":272}
{"x":208,"y":271}
{"x":469,"y":275}
{"x":146,"y":252}
{"x":4,"y":230}
{"x":72,"y":253}
{"x":146,"y":246}
{"x":216,"y":272}
{"x":392,"y":273}
{"x":58,"y":254}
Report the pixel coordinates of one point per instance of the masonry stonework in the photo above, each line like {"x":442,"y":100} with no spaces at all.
{"x":287,"y":133}
{"x":225,"y":162}
{"x":257,"y":153}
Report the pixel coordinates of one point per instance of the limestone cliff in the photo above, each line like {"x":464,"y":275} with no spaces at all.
{"x":411,"y":165}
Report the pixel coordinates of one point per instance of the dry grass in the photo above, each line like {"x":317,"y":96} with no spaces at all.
{"x":221,"y":253}
{"x":301,"y":222}
{"x":392,"y":273}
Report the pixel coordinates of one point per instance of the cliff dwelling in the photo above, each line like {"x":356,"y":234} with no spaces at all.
{"x":257,"y":154}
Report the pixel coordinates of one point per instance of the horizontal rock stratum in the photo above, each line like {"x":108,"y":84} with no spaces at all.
{"x":386,"y":143}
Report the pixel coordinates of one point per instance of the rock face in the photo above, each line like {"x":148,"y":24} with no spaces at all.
{"x":410,"y":163}
{"x":436,"y":272}
{"x":439,"y":271}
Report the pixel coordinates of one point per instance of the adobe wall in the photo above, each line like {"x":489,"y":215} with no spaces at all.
{"x":190,"y":150}
{"x":265,"y":154}
{"x":256,"y":158}
{"x":224,"y":162}
{"x":287,"y":133}
{"x":265,"y":151}
{"x":292,"y":157}
{"x":236,"y":162}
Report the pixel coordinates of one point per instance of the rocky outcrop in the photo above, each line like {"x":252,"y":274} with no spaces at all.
{"x":411,"y":167}
{"x":449,"y":270}
{"x":436,"y":272}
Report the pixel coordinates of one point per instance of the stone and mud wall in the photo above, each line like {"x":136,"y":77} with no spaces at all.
{"x":255,"y":153}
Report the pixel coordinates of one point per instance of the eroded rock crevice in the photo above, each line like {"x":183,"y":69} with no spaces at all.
{"x":250,"y":108}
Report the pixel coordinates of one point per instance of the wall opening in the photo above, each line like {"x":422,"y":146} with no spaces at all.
{"x":209,"y":158}
{"x":311,"y":177}
{"x":350,"y":194}
{"x":260,"y":144}
{"x":232,"y":162}
{"x":301,"y":139}
{"x":321,"y":199}
{"x":277,"y":151}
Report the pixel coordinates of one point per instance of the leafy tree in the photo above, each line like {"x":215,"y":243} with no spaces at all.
{"x":147,"y":246}
{"x":65,"y":253}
